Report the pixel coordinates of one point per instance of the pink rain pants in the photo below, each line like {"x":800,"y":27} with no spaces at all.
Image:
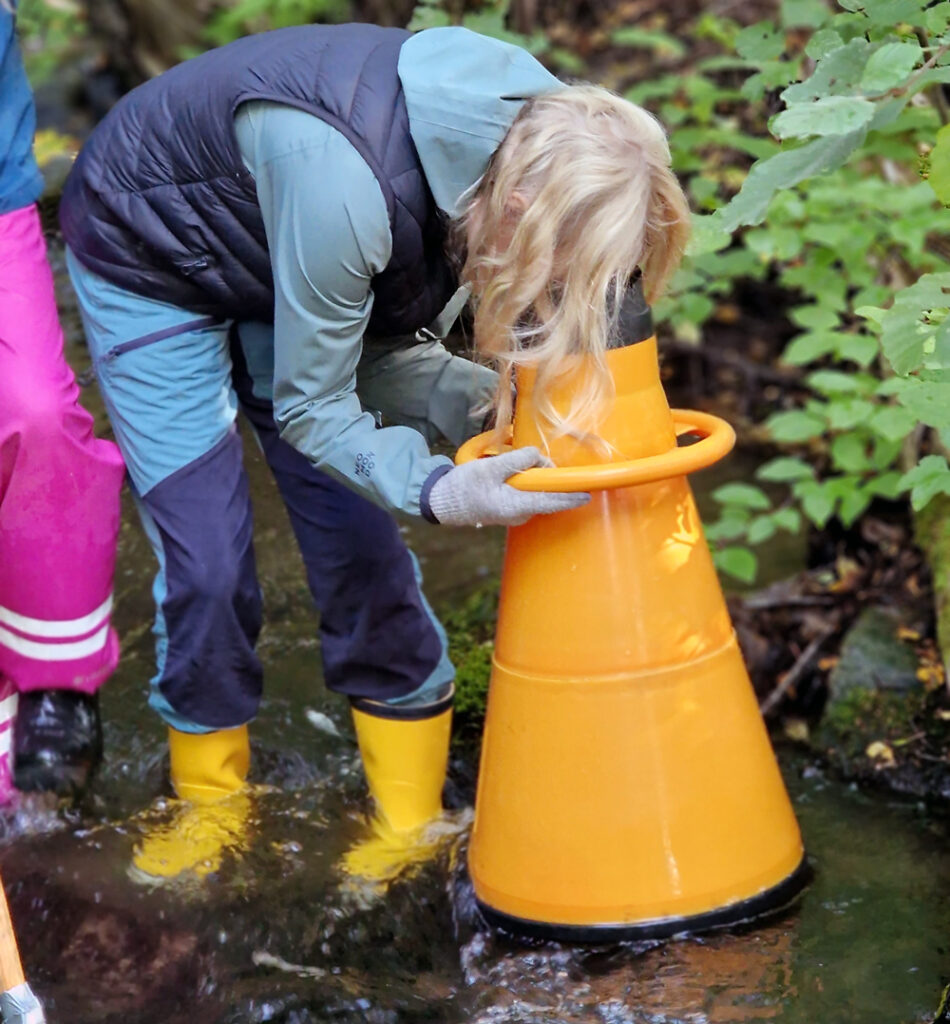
{"x":59,"y":491}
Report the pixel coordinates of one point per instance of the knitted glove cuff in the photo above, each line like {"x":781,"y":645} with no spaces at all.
{"x":425,"y":506}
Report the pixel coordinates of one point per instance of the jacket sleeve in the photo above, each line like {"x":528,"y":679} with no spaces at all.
{"x":422,"y":385}
{"x":328,"y":234}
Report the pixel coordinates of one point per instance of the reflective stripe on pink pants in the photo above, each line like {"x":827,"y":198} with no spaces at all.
{"x":59,"y":489}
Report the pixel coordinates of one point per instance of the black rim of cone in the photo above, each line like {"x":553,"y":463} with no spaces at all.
{"x":764,"y":904}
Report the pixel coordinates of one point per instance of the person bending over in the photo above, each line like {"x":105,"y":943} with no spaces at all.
{"x":289,"y":225}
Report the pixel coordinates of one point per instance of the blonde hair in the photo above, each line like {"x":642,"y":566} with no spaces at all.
{"x":582,"y":185}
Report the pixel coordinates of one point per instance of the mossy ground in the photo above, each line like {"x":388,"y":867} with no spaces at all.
{"x":897,"y":740}
{"x":471,"y":630}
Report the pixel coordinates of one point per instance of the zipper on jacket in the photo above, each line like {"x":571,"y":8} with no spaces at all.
{"x":169,"y":332}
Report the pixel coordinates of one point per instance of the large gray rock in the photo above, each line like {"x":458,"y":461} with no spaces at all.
{"x":873,"y":657}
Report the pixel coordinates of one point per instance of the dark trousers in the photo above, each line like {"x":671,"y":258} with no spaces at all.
{"x":379,"y":639}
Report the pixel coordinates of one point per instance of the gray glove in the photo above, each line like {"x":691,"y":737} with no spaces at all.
{"x":20,"y":1006}
{"x":476,"y":493}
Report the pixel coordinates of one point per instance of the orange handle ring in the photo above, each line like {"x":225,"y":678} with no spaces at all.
{"x":717,"y":440}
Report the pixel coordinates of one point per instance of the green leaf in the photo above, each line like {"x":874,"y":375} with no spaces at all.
{"x":707,"y":236}
{"x":885,"y":452}
{"x":937,"y":18}
{"x":873,"y":313}
{"x":853,"y":504}
{"x":887,"y":485}
{"x":775,"y":242}
{"x":788,"y":519}
{"x":817,"y":499}
{"x":822,"y":43}
{"x":428,"y":16}
{"x":805,"y":13}
{"x":760,"y":42}
{"x":733,"y":523}
{"x":777,"y":75}
{"x":660,"y":43}
{"x":889,"y":66}
{"x":941,"y":344}
{"x":935,"y":76}
{"x":784,"y":470}
{"x":831,"y":115}
{"x":889,"y":13}
{"x":859,"y":348}
{"x":904,"y":327}
{"x":835,"y":382}
{"x":939,"y":176}
{"x":837,"y":74}
{"x":927,"y":401}
{"x":566,"y":60}
{"x":760,"y":529}
{"x":814,"y":317}
{"x":783,"y":171}
{"x":887,"y":112}
{"x":738,"y":562}
{"x":848,"y":454}
{"x":794,"y":426}
{"x":843,"y":415}
{"x":893,"y":422}
{"x":692,"y":307}
{"x":743,"y":495}
{"x":806,"y":348}
{"x":930,"y":477}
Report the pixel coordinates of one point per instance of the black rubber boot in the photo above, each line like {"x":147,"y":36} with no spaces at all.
{"x":57,"y":741}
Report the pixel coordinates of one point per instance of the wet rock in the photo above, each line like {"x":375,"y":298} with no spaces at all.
{"x":882,"y":725}
{"x":873,"y":657}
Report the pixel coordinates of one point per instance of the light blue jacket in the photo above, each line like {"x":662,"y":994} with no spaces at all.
{"x":328,"y":235}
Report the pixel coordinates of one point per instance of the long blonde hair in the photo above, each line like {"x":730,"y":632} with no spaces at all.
{"x":582,"y":193}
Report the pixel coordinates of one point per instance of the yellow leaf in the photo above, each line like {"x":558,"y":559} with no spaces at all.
{"x":797,"y":729}
{"x":932,"y":676}
{"x":881,"y":753}
{"x":904,"y":633}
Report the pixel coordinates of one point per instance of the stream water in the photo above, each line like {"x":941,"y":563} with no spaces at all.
{"x":276,"y":936}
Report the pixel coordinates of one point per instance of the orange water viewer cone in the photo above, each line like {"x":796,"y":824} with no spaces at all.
{"x":627,"y":786}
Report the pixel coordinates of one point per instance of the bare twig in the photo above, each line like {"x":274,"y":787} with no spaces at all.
{"x":922,"y":70}
{"x":936,"y":94}
{"x":764,"y":602}
{"x":796,"y":672}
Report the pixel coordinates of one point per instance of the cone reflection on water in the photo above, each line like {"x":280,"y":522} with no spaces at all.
{"x":627,"y":784}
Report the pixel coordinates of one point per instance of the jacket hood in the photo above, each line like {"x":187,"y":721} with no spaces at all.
{"x":463,"y":91}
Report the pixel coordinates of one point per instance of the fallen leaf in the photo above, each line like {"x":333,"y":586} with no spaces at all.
{"x":931,"y":675}
{"x":797,"y":729}
{"x":849,"y":575}
{"x":881,"y":754}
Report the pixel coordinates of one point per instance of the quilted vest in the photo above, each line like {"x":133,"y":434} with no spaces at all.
{"x":160,"y":202}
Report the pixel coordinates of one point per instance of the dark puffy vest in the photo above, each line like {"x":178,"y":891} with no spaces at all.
{"x":161,"y":204}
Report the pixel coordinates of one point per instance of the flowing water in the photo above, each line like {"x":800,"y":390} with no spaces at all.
{"x":277,"y":935}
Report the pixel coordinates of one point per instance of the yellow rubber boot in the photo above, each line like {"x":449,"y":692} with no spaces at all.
{"x":208,"y":771}
{"x":405,"y":761}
